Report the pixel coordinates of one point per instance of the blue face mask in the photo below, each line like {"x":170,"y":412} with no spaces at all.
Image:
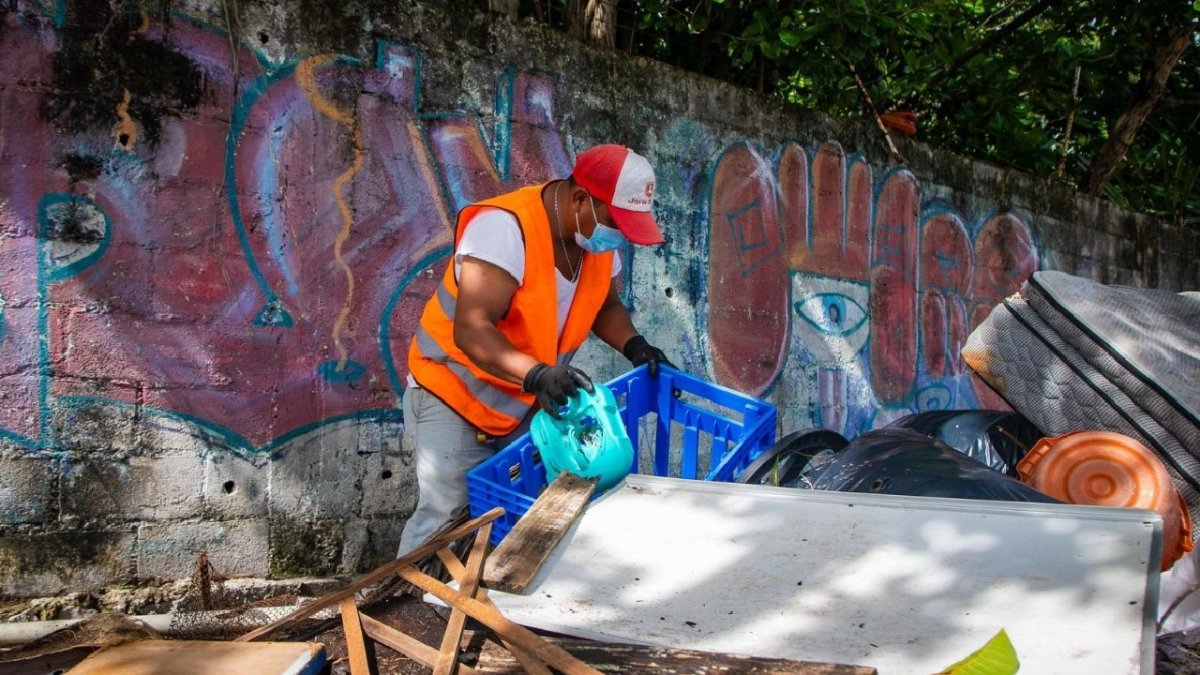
{"x":603,"y":239}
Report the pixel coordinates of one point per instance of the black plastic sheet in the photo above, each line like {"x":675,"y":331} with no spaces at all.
{"x":901,"y":461}
{"x":996,"y":438}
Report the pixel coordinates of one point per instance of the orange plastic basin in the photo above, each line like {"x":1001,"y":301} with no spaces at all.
{"x":1105,"y":468}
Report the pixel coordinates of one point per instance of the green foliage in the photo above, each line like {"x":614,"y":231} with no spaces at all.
{"x":991,"y":79}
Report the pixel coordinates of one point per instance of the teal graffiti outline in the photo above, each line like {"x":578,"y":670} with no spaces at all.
{"x":876,"y":193}
{"x":935,"y":385}
{"x":272,"y":305}
{"x":51,"y":199}
{"x":46,"y":274}
{"x":43,"y":322}
{"x":273,"y":312}
{"x":385,"y":332}
{"x":418,"y":57}
{"x":502,"y":135}
{"x":337,"y":371}
{"x":500,"y":155}
{"x":928,"y":210}
{"x":60,"y":13}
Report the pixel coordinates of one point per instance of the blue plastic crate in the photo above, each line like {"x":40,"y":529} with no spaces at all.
{"x":705,"y":423}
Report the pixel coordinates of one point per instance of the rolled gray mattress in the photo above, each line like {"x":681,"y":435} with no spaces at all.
{"x":1072,"y":354}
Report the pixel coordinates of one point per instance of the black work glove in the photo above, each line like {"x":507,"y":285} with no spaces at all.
{"x":553,"y":385}
{"x":638,"y":351}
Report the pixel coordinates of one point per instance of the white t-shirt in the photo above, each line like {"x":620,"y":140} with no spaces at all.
{"x":494,"y":236}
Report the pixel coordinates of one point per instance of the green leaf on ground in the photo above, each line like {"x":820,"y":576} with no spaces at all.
{"x":997,"y":657}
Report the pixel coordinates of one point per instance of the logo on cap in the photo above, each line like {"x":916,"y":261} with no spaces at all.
{"x":623,"y":180}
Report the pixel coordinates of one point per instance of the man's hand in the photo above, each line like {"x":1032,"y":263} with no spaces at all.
{"x":638,"y":351}
{"x":553,"y":385}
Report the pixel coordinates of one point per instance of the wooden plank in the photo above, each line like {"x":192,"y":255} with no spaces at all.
{"x":378,"y":574}
{"x":627,"y":658}
{"x":488,"y":615}
{"x":201,"y":657}
{"x":405,"y":644}
{"x":458,"y":572}
{"x":453,"y":566}
{"x":356,"y":645}
{"x":468,"y":584}
{"x":529,"y":662}
{"x":516,"y":561}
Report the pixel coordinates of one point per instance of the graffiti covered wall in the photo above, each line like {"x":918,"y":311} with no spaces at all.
{"x":215,"y":246}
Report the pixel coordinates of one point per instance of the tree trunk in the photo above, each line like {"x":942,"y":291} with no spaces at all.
{"x":1150,"y":90}
{"x":593,"y":21}
{"x":506,"y":7}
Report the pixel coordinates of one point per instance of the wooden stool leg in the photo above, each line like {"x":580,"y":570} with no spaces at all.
{"x":469,"y":583}
{"x":491,"y":617}
{"x":356,"y":644}
{"x":405,"y":644}
{"x":458,"y":572}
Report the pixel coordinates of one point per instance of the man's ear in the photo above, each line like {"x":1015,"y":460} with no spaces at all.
{"x":579,"y":195}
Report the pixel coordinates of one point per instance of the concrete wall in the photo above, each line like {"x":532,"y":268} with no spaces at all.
{"x":208,"y":283}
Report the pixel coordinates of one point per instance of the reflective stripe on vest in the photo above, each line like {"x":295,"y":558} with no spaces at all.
{"x":482,"y":391}
{"x":448,"y":302}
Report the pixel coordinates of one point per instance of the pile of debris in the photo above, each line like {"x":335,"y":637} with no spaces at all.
{"x":978,"y":538}
{"x":128,"y":647}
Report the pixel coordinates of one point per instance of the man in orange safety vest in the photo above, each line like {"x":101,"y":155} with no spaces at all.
{"x":532,"y":275}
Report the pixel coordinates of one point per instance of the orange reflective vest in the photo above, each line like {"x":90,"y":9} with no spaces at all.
{"x":494,"y":405}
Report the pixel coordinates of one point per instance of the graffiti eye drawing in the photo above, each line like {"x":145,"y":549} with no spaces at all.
{"x":935,"y":397}
{"x":832,"y":314}
{"x":832,"y":327}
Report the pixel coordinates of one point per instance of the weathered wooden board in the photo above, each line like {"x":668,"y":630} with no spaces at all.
{"x":201,"y":657}
{"x":516,"y":561}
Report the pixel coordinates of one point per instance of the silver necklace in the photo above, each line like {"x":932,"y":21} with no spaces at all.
{"x":561,"y":240}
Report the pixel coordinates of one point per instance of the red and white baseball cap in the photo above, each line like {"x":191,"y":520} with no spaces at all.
{"x":624,"y":181}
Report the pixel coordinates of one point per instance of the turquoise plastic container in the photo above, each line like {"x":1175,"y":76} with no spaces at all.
{"x":588,"y":440}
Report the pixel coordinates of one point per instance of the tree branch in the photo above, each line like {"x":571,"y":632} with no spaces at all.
{"x":1062,"y":162}
{"x":1150,"y":90}
{"x":1176,"y":100}
{"x":870,"y":105}
{"x":992,"y":40}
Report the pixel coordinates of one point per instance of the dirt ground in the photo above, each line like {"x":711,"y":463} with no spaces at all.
{"x":405,"y":613}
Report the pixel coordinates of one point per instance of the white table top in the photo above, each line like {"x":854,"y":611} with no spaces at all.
{"x":904,"y":584}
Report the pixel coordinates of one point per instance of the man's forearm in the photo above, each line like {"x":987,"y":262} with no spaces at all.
{"x":613,"y":325}
{"x":487,"y":348}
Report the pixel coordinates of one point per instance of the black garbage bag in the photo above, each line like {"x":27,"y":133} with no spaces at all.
{"x":997,"y":438}
{"x":906,"y":462}
{"x":793,"y":459}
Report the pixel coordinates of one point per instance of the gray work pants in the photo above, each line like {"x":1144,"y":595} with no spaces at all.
{"x":445,"y":446}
